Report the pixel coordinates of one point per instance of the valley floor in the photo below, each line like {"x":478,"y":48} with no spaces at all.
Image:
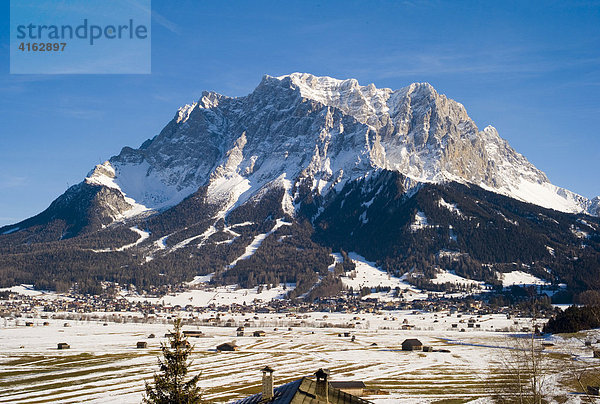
{"x":103,"y":364}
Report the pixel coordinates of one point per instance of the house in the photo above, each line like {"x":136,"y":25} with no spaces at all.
{"x":142,"y":344}
{"x":412,"y":344}
{"x":193,"y":334}
{"x":227,"y":346}
{"x":63,"y":345}
{"x":240,"y":331}
{"x":356,"y":388}
{"x":304,"y":390}
{"x":258,"y":334}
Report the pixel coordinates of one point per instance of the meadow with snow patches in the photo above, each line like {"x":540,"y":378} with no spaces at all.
{"x":103,"y":364}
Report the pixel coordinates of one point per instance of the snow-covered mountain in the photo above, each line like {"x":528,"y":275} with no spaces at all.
{"x":326,"y":131}
{"x":267,"y":188}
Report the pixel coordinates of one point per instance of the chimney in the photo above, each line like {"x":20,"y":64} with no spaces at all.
{"x":322,"y":390}
{"x":267,"y":383}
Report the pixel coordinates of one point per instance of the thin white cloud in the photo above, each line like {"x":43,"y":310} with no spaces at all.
{"x":158,"y":18}
{"x":12,"y":181}
{"x":165,"y":23}
{"x":434,"y":61}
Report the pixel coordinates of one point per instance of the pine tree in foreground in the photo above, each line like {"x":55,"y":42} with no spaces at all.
{"x":170,"y":386}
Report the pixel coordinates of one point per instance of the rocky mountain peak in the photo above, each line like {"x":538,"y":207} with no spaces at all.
{"x":320,"y":132}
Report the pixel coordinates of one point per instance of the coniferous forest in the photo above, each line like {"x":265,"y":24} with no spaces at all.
{"x":468,"y":230}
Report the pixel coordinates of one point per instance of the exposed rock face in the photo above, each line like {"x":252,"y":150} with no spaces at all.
{"x":317,"y":133}
{"x":301,"y":127}
{"x":262,"y":189}
{"x":594,"y":208}
{"x":83,"y":207}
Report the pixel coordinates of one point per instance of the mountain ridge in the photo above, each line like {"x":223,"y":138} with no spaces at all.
{"x":264,"y":188}
{"x":157,"y":176}
{"x":422,"y":154}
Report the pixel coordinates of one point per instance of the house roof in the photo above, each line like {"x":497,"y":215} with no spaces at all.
{"x":303,"y":391}
{"x":412,"y":341}
{"x":348,"y":385}
{"x":227,"y":344}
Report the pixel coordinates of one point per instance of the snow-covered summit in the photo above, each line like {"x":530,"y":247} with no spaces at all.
{"x":431,"y":138}
{"x":322,"y":132}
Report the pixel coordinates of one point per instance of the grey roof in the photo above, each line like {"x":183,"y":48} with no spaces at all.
{"x":302,"y":391}
{"x":348,"y":385}
{"x":281,"y":394}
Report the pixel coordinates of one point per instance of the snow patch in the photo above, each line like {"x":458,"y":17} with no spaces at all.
{"x":257,"y":241}
{"x":520,"y":278}
{"x":287,"y":202}
{"x":204,"y":236}
{"x":219,"y":296}
{"x":577,"y":232}
{"x":143,"y":236}
{"x":545,"y":195}
{"x":104,"y":175}
{"x":201,"y":279}
{"x":450,"y":206}
{"x":25,"y":290}
{"x":337,"y":259}
{"x":420,"y":222}
{"x":12,"y":230}
{"x":367,"y":274}
{"x":450,"y":277}
{"x":161,"y":243}
{"x":363,"y":218}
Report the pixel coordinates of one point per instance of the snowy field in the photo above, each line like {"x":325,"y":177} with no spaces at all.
{"x":103,"y":364}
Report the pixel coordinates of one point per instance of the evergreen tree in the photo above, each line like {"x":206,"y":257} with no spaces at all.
{"x":170,"y":386}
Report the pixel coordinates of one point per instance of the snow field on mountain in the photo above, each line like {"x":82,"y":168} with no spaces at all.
{"x":520,"y":278}
{"x":203,"y":237}
{"x":26,"y":290}
{"x":257,"y":241}
{"x":337,"y":259}
{"x":174,"y":164}
{"x":220,"y":295}
{"x":450,"y":277}
{"x":545,"y":194}
{"x":104,"y":175}
{"x":11,"y":230}
{"x":420,"y":222}
{"x":143,"y":236}
{"x":367,"y":274}
{"x":103,"y":365}
{"x":450,"y":206}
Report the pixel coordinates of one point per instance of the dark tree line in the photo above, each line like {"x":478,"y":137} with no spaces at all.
{"x":488,"y":234}
{"x":574,"y":319}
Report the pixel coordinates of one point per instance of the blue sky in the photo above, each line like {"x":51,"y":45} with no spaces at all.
{"x":531,"y":69}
